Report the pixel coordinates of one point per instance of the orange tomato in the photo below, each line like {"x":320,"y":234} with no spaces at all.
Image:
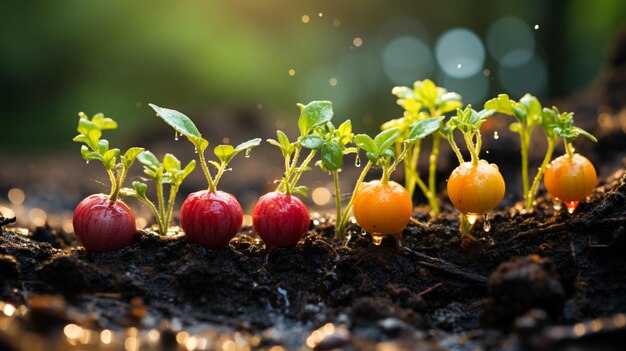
{"x":570,"y":178}
{"x":382,"y":208}
{"x":476,"y":188}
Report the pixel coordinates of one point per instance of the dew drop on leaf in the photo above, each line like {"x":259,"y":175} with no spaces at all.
{"x":175,"y":136}
{"x":357,"y":161}
{"x":247,"y":154}
{"x":496,"y":136}
{"x":86,"y":161}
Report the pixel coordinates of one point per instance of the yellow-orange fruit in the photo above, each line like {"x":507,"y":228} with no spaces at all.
{"x":476,"y":188}
{"x":383,"y":208}
{"x":570,"y":178}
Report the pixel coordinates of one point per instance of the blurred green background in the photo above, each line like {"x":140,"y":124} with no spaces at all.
{"x":115,"y":56}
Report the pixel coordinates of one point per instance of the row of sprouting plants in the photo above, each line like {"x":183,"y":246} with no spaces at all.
{"x":212,"y":217}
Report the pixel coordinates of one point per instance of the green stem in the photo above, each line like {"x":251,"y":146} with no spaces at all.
{"x":524,"y":151}
{"x":114,"y":186}
{"x":153,"y":208}
{"x":300,"y":170}
{"x":170,"y":205}
{"x":569,"y":148}
{"x":471,"y":147}
{"x":161,"y":202}
{"x":456,"y":149}
{"x":218,"y":176}
{"x":432,"y":172}
{"x":465,"y":227}
{"x":337,"y":196}
{"x":205,"y":168}
{"x":542,"y":169}
{"x":341,"y":224}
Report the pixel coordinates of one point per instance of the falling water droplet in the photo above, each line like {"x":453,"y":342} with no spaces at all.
{"x":330,"y":173}
{"x":87,"y":161}
{"x":556,"y":204}
{"x":175,"y":136}
{"x":357,"y":161}
{"x":247,"y":154}
{"x":228,"y":169}
{"x":486,"y":224}
{"x":471,"y":218}
{"x":495,"y":135}
{"x":571,"y":206}
{"x":195,"y":151}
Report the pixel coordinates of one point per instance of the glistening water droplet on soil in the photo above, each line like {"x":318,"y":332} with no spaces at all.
{"x":556,"y":204}
{"x":377,"y":239}
{"x":571,"y":206}
{"x":471,"y":218}
{"x":486,"y":224}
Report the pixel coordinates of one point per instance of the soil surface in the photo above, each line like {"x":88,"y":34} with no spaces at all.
{"x":541,"y":269}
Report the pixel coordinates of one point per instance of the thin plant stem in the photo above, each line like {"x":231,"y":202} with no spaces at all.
{"x":569,"y":148}
{"x":337,"y":195}
{"x":161,"y":202}
{"x":471,"y":147}
{"x":220,"y":172}
{"x":170,"y":205}
{"x":542,"y":169}
{"x":432,"y":172}
{"x":205,"y":168}
{"x":114,"y":186}
{"x":300,"y":170}
{"x":456,"y":149}
{"x":340,"y":226}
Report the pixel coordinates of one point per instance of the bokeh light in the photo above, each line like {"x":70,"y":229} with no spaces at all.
{"x":406,"y":59}
{"x":474,"y":90}
{"x":460,"y":53}
{"x":531,"y":77}
{"x":511,"y":41}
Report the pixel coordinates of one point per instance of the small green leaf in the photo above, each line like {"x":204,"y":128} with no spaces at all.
{"x":224,"y":152}
{"x":200,"y":143}
{"x":177,"y":120}
{"x":515,"y":127}
{"x":109,"y":158}
{"x":345,"y":132}
{"x":332,"y":156}
{"x":312,"y":142}
{"x":215,"y":164}
{"x":188,"y":169}
{"x":148,"y":159}
{"x":403,"y":92}
{"x":533,"y":108}
{"x":389,"y":152}
{"x":586,"y":134}
{"x":80,"y":138}
{"x":314,"y":114}
{"x":130,"y":155}
{"x":372,"y":156}
{"x":501,"y":104}
{"x":171,"y":163}
{"x":283,"y":140}
{"x":140,"y":189}
{"x":128,"y":192}
{"x":429,"y":91}
{"x":301,"y":190}
{"x":103,"y":146}
{"x":247,"y":145}
{"x":104,"y":122}
{"x":425,"y":127}
{"x":89,"y":155}
{"x":365,"y":142}
{"x":548,"y":122}
{"x":386,"y":138}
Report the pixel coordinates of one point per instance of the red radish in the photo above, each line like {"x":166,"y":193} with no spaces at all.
{"x":281,"y":220}
{"x":211,"y":219}
{"x":103,"y":225}
{"x":103,"y":222}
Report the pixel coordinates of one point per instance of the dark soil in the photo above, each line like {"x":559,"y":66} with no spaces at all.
{"x":544,"y":269}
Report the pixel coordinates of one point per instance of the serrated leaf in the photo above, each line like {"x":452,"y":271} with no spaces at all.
{"x":425,"y":127}
{"x":312,"y":142}
{"x":148,"y":159}
{"x":314,"y":114}
{"x":171,"y":163}
{"x":224,"y":152}
{"x":247,"y":145}
{"x":332,"y":156}
{"x":386,"y":138}
{"x":365,"y":142}
{"x":177,"y":120}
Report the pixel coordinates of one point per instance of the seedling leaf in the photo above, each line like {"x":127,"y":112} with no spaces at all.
{"x":386,"y":138}
{"x":171,"y":163}
{"x":312,"y":142}
{"x":424,"y":127}
{"x":365,"y":142}
{"x":150,"y":161}
{"x":177,"y":120}
{"x":224,"y":152}
{"x":313,"y":114}
{"x":332,"y":156}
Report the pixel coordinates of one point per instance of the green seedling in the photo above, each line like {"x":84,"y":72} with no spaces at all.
{"x":167,"y":172}
{"x":424,"y":100}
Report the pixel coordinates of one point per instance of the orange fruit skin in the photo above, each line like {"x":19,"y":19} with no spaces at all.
{"x":476,"y":188}
{"x":383,"y":208}
{"x":570,"y":178}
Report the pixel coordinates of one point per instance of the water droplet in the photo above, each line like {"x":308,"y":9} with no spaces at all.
{"x":571,"y":206}
{"x":87,"y":161}
{"x":495,"y":135}
{"x":556,"y":204}
{"x":471,"y":218}
{"x":247,"y":154}
{"x":339,"y":170}
{"x":486,"y":224}
{"x":458,"y":66}
{"x":228,"y":169}
{"x":357,"y":161}
{"x":536,"y":26}
{"x":377,"y":239}
{"x":175,"y":136}
{"x":195,"y":151}
{"x":487,"y":152}
{"x":329,"y":173}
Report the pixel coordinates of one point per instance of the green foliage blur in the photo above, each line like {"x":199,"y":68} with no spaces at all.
{"x":114,"y":56}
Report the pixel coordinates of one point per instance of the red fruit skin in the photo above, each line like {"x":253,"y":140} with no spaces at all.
{"x":281,"y":220}
{"x":102,"y":225}
{"x":211,"y":219}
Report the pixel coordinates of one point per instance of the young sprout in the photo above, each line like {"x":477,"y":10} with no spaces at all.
{"x":209,"y":217}
{"x":474,"y":187}
{"x":383,"y":207}
{"x":103,"y":222}
{"x":167,"y":172}
{"x":280,"y":218}
{"x":425,"y":100}
{"x":569,"y":178}
{"x":528,"y":113}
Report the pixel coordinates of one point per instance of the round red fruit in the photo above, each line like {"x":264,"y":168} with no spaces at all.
{"x":281,"y":220}
{"x":570,"y":178}
{"x":211,"y":219}
{"x":104,"y":225}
